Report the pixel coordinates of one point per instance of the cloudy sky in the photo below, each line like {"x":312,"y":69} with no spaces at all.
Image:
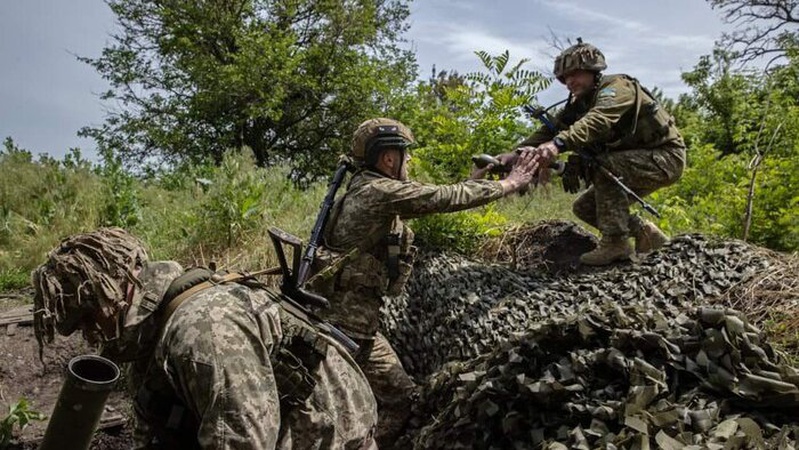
{"x":46,"y":95}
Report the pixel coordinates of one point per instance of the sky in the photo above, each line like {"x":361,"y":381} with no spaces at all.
{"x":47,"y":95}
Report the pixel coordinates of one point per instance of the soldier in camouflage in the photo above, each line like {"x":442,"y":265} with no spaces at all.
{"x":228,"y":367}
{"x":368,"y":253}
{"x":620,"y":123}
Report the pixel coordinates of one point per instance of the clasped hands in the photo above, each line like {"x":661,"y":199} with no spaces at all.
{"x":541,"y":156}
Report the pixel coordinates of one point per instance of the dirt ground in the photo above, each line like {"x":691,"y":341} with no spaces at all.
{"x":23,"y":375}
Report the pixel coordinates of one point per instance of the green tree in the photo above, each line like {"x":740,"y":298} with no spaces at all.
{"x":743,"y":162}
{"x":454,"y":117}
{"x":290,"y":79}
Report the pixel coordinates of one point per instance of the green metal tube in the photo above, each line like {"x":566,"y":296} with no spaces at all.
{"x":90,"y":378}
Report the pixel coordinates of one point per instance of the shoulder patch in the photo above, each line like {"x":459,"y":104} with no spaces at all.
{"x":607,"y":92}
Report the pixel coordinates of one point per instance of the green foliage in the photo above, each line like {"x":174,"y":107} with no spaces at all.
{"x":13,"y":278}
{"x":743,"y":130}
{"x":460,"y":231}
{"x":121,"y":208}
{"x":41,"y":201}
{"x":288,"y":79}
{"x":455,"y":117}
{"x":21,"y":414}
{"x":234,"y":205}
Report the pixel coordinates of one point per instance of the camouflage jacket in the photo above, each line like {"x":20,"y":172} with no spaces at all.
{"x":362,"y":222}
{"x":619,"y":114}
{"x":211,"y":381}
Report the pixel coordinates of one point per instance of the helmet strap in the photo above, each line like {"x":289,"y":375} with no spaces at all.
{"x":401,"y":163}
{"x":396,"y":169}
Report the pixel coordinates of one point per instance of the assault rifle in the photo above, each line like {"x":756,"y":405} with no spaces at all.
{"x":542,"y":115}
{"x":296,"y":274}
{"x":344,"y":166}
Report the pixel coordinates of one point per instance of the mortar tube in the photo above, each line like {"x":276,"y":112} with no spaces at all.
{"x":89,"y":380}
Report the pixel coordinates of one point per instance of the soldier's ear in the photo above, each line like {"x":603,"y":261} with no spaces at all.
{"x":388,"y":157}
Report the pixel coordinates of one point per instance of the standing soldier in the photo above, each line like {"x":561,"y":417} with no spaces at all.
{"x":621,"y":125}
{"x":368,"y":253}
{"x":215,"y":361}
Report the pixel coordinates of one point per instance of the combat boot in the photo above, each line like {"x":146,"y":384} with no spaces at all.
{"x":610,"y":249}
{"x":649,"y":238}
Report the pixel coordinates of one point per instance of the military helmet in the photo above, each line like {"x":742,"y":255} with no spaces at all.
{"x":379,"y":134}
{"x":85,"y":277}
{"x":579,"y":56}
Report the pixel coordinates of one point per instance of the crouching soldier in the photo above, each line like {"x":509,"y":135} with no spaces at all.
{"x":214,"y":360}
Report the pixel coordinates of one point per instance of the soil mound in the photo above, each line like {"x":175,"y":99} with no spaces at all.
{"x":552,"y":246}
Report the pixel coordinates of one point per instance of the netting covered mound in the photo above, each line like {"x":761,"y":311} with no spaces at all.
{"x":629,"y":356}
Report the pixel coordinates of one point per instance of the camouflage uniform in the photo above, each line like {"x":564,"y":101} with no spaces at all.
{"x":213,"y":375}
{"x":362,"y":223}
{"x":624,"y":128}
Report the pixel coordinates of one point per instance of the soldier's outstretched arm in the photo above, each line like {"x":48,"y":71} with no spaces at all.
{"x":413,"y":199}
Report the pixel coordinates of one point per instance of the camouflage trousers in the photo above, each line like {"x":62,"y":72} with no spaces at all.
{"x":606,"y":206}
{"x":393,"y":388}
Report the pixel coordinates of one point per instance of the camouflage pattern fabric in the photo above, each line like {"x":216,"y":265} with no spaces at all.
{"x":390,"y":384}
{"x":215,"y":355}
{"x":207,"y":378}
{"x":625,"y":357}
{"x":105,"y":260}
{"x":616,"y":115}
{"x":633,"y":137}
{"x":362,"y":219}
{"x":605,"y":205}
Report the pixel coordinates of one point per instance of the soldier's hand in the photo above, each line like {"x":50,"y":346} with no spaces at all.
{"x":546,"y":154}
{"x":522,"y":173}
{"x":480,"y":173}
{"x":548,"y":151}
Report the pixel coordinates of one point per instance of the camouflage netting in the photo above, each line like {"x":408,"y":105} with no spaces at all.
{"x":622,"y":357}
{"x":455,"y":308}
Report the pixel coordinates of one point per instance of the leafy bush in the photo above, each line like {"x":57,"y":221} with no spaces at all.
{"x":234,"y":205}
{"x":121,"y":204}
{"x":461,"y":231}
{"x":41,"y":201}
{"x":20,"y":414}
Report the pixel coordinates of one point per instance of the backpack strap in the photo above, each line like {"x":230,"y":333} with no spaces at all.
{"x":212,"y":279}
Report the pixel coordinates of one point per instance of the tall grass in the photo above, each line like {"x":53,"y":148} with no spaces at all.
{"x":201,"y":214}
{"x":196,"y":215}
{"x":221,"y":216}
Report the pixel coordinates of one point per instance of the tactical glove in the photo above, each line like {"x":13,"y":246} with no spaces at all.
{"x":572,"y":174}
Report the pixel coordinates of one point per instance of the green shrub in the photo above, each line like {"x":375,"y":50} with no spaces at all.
{"x":121,"y":197}
{"x":41,"y":201}
{"x":20,"y":414}
{"x":461,"y":231}
{"x":13,"y":278}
